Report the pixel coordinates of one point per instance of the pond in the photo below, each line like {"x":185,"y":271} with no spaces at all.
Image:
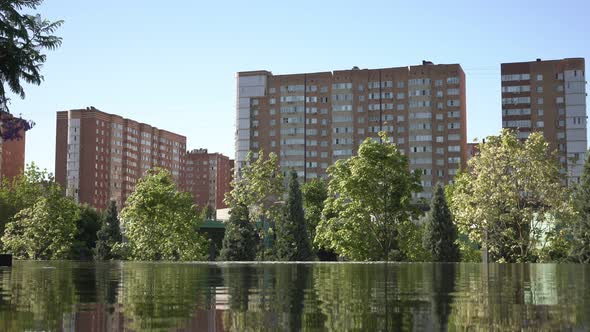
{"x":130,"y":296}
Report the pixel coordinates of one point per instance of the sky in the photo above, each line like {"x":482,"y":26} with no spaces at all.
{"x":173,"y":64}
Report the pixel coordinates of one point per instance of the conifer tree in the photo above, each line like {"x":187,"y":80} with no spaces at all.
{"x":241,"y":239}
{"x":292,"y":239}
{"x":109,"y":234}
{"x":440,"y":233}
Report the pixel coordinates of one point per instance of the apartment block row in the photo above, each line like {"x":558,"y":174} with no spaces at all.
{"x":101,"y":156}
{"x":310,"y":120}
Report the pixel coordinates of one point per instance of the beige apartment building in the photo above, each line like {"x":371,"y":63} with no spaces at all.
{"x":550,"y":97}
{"x":101,"y":156}
{"x":311,"y":120}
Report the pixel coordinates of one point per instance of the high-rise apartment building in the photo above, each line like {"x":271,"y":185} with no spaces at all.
{"x":550,"y":97}
{"x":12,"y":157}
{"x":311,"y":120}
{"x":208,"y":177}
{"x":101,"y":156}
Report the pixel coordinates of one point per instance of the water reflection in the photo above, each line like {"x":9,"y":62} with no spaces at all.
{"x":125,"y":296}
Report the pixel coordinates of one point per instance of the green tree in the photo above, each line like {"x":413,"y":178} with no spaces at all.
{"x":510,"y":196}
{"x":23,"y":37}
{"x":580,"y":226}
{"x":241,"y":239}
{"x":23,"y":191}
{"x":369,"y":197}
{"x":292,"y":241}
{"x":109,"y":234}
{"x":440,"y":233}
{"x":315,"y":193}
{"x":87,"y":226}
{"x":45,"y":230}
{"x":159,"y":222}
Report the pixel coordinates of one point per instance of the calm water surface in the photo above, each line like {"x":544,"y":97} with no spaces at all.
{"x":126,"y":296}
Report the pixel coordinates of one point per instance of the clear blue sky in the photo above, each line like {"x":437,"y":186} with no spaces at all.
{"x":173,"y":64}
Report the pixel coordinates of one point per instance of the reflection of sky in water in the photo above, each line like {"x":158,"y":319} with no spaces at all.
{"x":332,"y":297}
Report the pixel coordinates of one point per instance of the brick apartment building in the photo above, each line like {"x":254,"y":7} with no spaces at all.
{"x":311,"y":120}
{"x":12,"y":153}
{"x":101,"y":156}
{"x":208,"y":177}
{"x":550,"y":97}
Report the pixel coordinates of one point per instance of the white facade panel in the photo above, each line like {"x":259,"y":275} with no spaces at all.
{"x":247,"y":87}
{"x":73,"y":159}
{"x":576,"y":124}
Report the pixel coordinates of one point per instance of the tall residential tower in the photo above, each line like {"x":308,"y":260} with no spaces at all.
{"x":550,"y":97}
{"x":311,"y":120}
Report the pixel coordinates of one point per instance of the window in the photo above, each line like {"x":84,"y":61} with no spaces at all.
{"x":273,"y":101}
{"x":540,"y":101}
{"x":559,"y":100}
{"x":540,"y":124}
{"x":438,"y":83}
{"x":453,"y":92}
{"x":539,"y":89}
{"x":453,"y":80}
{"x":539,"y":77}
{"x":540,"y":112}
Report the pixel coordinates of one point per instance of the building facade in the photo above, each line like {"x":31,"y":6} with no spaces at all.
{"x":311,"y":120}
{"x":100,"y":156}
{"x":12,"y":157}
{"x":208,"y":177}
{"x":550,"y":97}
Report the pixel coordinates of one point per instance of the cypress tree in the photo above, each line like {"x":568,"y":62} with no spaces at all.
{"x":109,"y":234}
{"x":440,"y":232}
{"x":292,"y":239}
{"x":581,"y":226}
{"x":240,"y":240}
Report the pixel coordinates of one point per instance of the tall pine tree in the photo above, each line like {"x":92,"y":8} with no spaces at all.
{"x":580,"y":228}
{"x":109,"y":234}
{"x":440,"y":233}
{"x":292,"y":239}
{"x":241,"y":239}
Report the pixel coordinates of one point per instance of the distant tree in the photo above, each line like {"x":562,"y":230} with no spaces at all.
{"x":87,"y":226}
{"x":580,"y":225}
{"x":510,"y":197}
{"x":315,"y":193}
{"x":241,"y":239}
{"x":23,"y":37}
{"x":159,"y":222}
{"x":369,"y":198}
{"x":45,"y":230}
{"x":440,"y":233}
{"x":109,"y":234}
{"x":292,"y":240}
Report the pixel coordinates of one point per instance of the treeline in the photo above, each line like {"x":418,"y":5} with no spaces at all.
{"x":511,"y":201}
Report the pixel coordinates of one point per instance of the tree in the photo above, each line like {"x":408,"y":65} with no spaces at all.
{"x":440,"y":232}
{"x":109,"y":234}
{"x":510,"y":196}
{"x":292,"y":241}
{"x":241,"y":239}
{"x":259,"y":186}
{"x":315,"y":193}
{"x":23,"y":37}
{"x":159,"y":222}
{"x":24,"y":191}
{"x":87,"y":226}
{"x":580,"y":226}
{"x":45,"y":230}
{"x":369,"y":197}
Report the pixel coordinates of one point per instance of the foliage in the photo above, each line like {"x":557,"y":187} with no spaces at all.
{"x":369,"y":197}
{"x":410,"y":235}
{"x":109,"y":234}
{"x":23,"y":37}
{"x":510,"y":196}
{"x":315,"y":193}
{"x":45,"y":230}
{"x":259,"y":186}
{"x":440,"y":233}
{"x":580,"y":226}
{"x":85,"y":239}
{"x":292,"y":240}
{"x":23,"y":191}
{"x":241,"y":239}
{"x":159,"y":222}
